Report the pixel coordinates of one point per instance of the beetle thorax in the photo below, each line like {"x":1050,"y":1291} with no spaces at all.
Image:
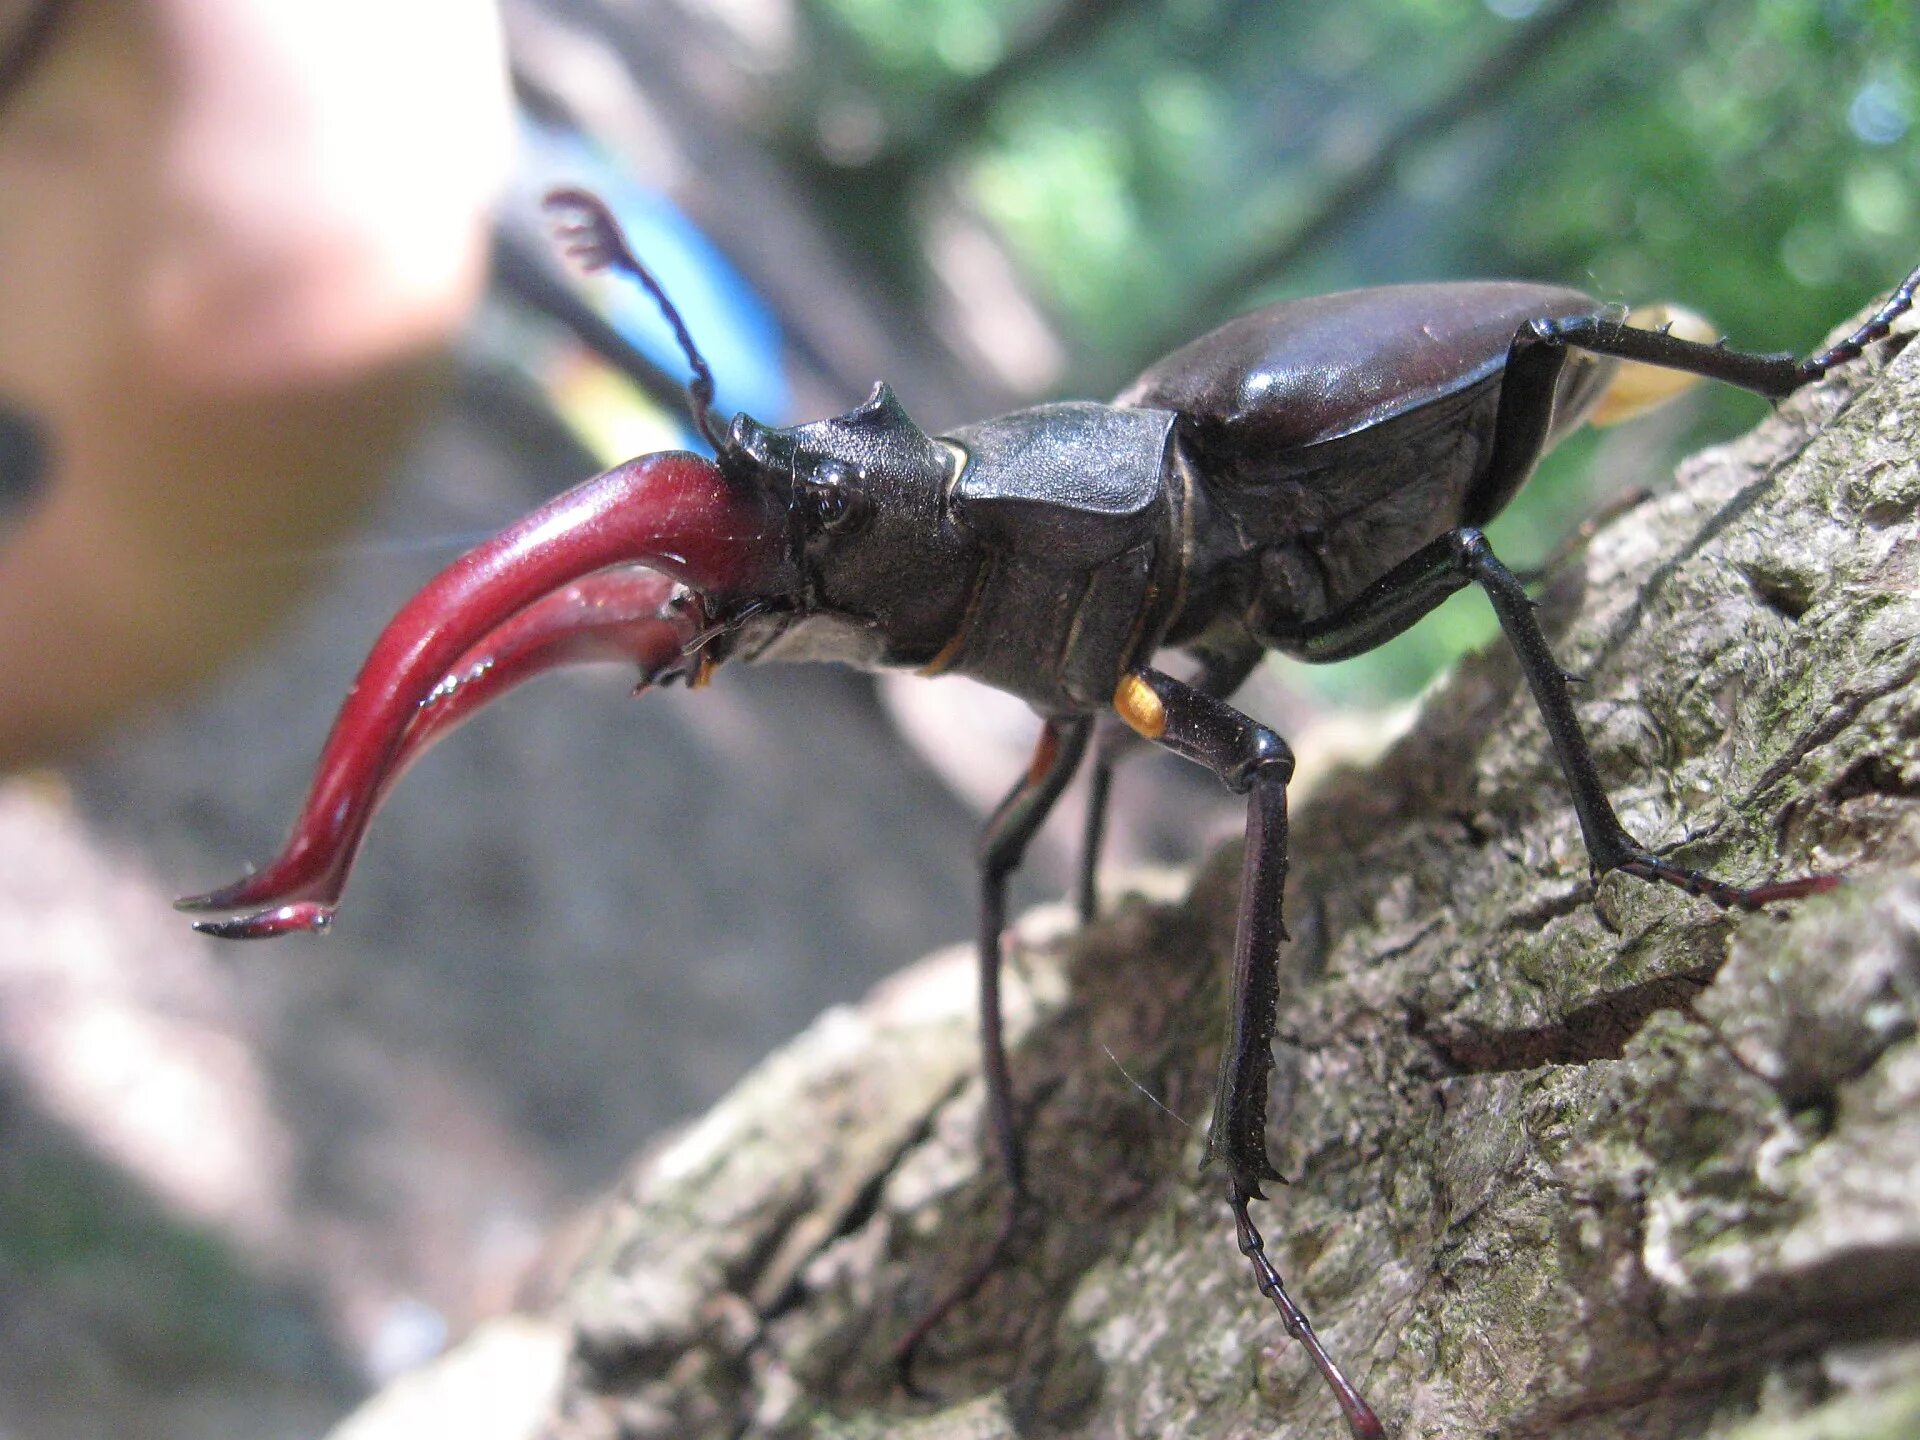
{"x":881,"y":574}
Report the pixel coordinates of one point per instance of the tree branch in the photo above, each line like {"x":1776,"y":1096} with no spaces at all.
{"x":1562,"y":1165}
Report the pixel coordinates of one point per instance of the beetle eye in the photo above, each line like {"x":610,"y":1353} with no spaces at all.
{"x":835,"y":504}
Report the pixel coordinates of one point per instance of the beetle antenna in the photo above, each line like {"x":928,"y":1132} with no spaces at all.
{"x":592,"y":238}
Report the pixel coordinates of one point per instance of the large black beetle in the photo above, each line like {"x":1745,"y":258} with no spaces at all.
{"x":1308,"y":478}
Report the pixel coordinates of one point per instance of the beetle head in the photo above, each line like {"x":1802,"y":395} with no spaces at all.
{"x":821,"y":541}
{"x":878,"y":573}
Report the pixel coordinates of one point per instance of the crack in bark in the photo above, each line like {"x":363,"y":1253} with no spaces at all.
{"x":1846,"y":709}
{"x":1873,"y":775}
{"x":1788,"y":596}
{"x":1597,"y":1030}
{"x":1558,"y":905}
{"x":1746,"y":1354}
{"x":1721,"y":519}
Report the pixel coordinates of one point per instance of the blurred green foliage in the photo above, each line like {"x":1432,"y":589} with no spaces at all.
{"x":1154,"y":168}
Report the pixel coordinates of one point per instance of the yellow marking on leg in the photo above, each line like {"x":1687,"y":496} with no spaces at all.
{"x":1139,"y":705}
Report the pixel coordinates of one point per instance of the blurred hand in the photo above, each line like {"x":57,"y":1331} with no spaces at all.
{"x":235,"y":236}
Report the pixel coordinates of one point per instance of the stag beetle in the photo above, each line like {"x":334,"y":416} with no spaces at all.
{"x":1310,"y":478}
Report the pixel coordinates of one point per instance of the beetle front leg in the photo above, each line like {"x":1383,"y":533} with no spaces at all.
{"x":1003,"y":844}
{"x":1250,"y":760}
{"x":1222,"y":672}
{"x":1460,"y":558}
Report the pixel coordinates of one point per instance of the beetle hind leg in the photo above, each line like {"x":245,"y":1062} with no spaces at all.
{"x":1635,"y":388}
{"x":1876,"y":327}
{"x":1774,"y":376}
{"x":1460,"y":558}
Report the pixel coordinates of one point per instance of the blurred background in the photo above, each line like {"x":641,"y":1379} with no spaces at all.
{"x":280,"y":335}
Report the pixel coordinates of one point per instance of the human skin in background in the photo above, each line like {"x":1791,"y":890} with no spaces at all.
{"x":235,"y":237}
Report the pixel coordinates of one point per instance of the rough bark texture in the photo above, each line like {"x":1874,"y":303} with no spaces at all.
{"x":1562,"y":1164}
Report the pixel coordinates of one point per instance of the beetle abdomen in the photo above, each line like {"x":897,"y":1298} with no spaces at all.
{"x":1268,"y":385}
{"x":1340,"y":433}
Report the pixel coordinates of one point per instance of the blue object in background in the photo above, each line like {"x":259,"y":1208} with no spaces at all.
{"x":734,"y":328}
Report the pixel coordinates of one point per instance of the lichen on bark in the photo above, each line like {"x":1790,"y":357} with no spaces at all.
{"x":1561,"y":1162}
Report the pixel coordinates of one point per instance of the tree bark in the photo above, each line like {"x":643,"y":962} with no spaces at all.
{"x":1562,"y":1162}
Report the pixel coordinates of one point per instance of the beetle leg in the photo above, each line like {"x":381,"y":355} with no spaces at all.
{"x":1460,"y":558}
{"x":1003,"y":843}
{"x":1876,"y":327}
{"x":1221,"y":673}
{"x":1251,"y":760}
{"x":1112,"y":742}
{"x":1774,"y":376}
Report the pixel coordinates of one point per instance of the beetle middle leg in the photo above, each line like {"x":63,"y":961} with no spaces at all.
{"x":1003,"y":844}
{"x":1460,"y":558}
